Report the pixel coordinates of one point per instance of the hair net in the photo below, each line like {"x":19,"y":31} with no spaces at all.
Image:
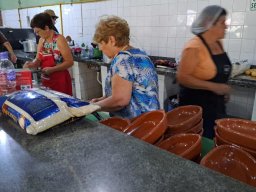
{"x":206,"y":19}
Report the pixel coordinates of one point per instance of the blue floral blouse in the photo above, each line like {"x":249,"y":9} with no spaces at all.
{"x":135,"y":66}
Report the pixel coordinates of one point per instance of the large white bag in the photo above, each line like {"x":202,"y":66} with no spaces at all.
{"x":37,"y":110}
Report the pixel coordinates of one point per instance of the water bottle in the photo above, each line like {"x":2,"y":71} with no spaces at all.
{"x":7,"y":74}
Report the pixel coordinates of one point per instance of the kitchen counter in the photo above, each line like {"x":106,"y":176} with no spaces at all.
{"x":240,"y":80}
{"x":24,"y":56}
{"x":87,"y":156}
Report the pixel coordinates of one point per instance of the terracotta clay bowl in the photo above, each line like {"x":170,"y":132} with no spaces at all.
{"x":201,"y":132}
{"x":133,"y":119}
{"x":185,"y":145}
{"x":149,"y":126}
{"x":233,"y":162}
{"x":159,"y":140}
{"x":117,"y":123}
{"x":218,"y":140}
{"x":184,"y":117}
{"x":238,"y":131}
{"x":196,"y":129}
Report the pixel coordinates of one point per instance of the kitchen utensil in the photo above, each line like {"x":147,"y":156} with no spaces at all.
{"x":29,"y":45}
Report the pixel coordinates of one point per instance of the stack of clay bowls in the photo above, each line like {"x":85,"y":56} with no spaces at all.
{"x":184,"y":119}
{"x":238,"y":132}
{"x":233,"y":162}
{"x":149,"y":126}
{"x":186,"y":145}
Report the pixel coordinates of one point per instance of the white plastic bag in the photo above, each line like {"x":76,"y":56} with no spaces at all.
{"x":239,"y":67}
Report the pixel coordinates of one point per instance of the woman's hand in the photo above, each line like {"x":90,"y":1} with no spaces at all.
{"x":48,"y":70}
{"x":121,"y":95}
{"x":28,"y":64}
{"x":94,"y":100}
{"x":221,"y":89}
{"x":13,"y":57}
{"x":226,"y":98}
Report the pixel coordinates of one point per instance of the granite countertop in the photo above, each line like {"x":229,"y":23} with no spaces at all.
{"x":88,"y":156}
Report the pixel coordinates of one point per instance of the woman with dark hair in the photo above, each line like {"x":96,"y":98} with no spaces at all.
{"x":204,"y":68}
{"x":53,"y":55}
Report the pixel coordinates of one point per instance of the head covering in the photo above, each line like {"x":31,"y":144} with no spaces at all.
{"x":206,"y":19}
{"x":51,"y":13}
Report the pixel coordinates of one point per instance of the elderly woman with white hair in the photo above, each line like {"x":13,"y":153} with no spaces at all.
{"x":205,"y":67}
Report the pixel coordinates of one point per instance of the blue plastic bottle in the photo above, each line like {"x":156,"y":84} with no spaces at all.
{"x":7,"y":74}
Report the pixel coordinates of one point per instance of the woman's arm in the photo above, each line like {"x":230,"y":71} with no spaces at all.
{"x":121,"y":95}
{"x":185,"y":77}
{"x":94,"y":100}
{"x":66,"y":54}
{"x":10,"y":50}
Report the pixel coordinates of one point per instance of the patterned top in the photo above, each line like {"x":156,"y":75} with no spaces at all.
{"x":51,"y":49}
{"x":135,"y":66}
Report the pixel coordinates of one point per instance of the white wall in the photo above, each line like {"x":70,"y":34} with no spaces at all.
{"x":10,"y":18}
{"x":161,"y":27}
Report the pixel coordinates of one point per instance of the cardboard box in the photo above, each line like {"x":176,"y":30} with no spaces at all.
{"x":23,"y":79}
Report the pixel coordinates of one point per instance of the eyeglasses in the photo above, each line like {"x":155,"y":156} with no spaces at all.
{"x":54,"y":17}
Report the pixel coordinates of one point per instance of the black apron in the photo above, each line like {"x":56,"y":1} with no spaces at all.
{"x":213,"y":105}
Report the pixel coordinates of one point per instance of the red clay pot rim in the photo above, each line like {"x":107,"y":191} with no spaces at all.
{"x":115,"y":118}
{"x":143,"y":116}
{"x":186,"y":121}
{"x":248,"y":155}
{"x":175,"y":132}
{"x":160,"y":122}
{"x":218,"y":123}
{"x":233,"y":133}
{"x":186,"y":152}
{"x":230,"y":143}
{"x":205,"y":158}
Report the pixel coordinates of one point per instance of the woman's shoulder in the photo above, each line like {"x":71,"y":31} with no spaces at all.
{"x":59,"y":37}
{"x":195,"y":42}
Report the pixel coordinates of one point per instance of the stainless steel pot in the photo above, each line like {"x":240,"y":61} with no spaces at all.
{"x":29,"y":46}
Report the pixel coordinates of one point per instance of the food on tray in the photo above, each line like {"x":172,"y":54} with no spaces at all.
{"x":239,"y":67}
{"x":166,"y":63}
{"x":37,"y":110}
{"x":251,"y":72}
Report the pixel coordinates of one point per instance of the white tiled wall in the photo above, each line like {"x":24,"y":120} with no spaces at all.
{"x":10,"y":18}
{"x":86,"y":85}
{"x":161,"y":27}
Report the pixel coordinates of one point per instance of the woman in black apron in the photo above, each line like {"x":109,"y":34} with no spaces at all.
{"x":213,"y":104}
